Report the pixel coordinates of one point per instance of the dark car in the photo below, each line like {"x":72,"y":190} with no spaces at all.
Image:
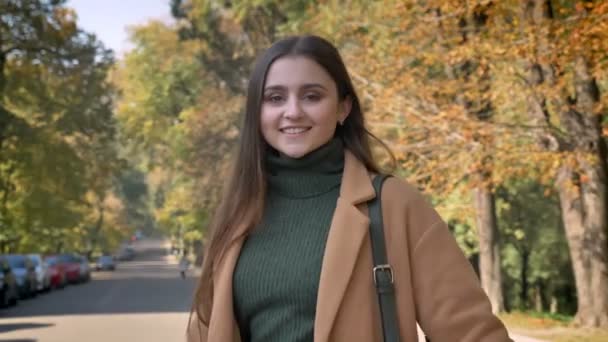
{"x":25,"y":274}
{"x":9,"y":291}
{"x":126,"y":254}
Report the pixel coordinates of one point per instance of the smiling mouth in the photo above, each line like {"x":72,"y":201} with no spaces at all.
{"x":294,"y":130}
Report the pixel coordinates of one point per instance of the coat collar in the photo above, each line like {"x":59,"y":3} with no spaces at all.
{"x":356,"y":185}
{"x":348,"y":230}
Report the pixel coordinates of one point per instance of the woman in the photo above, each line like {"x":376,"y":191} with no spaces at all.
{"x":289,"y":258}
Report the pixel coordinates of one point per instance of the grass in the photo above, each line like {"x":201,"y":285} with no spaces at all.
{"x":555,"y":328}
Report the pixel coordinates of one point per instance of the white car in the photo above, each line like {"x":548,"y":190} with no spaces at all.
{"x":105,"y":262}
{"x":85,"y":268}
{"x":43,"y":273}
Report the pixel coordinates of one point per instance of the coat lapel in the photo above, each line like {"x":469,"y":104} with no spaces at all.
{"x":348,"y":230}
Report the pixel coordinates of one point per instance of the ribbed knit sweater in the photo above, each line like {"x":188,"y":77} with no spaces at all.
{"x":276,"y":278}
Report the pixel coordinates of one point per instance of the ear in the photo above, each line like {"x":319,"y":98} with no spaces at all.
{"x":344,"y":108}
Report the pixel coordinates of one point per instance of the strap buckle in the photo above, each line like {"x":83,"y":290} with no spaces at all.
{"x":383,"y":268}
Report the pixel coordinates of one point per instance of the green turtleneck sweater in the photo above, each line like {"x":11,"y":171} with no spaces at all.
{"x":276,"y":278}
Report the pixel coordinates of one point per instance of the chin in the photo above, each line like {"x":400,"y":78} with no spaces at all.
{"x":294,"y":151}
{"x":295,"y":154}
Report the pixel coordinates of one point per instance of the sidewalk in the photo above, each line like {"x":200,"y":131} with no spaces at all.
{"x":520,"y":338}
{"x":514,"y":337}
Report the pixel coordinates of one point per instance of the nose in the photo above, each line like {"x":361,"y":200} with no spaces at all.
{"x":293,"y":110}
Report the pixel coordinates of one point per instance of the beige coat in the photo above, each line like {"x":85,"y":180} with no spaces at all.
{"x":434,"y":283}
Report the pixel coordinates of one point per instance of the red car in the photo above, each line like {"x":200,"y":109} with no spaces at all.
{"x":67,"y":265}
{"x":58,"y":278}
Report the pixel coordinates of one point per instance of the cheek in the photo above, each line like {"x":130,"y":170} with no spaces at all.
{"x":326,"y":115}
{"x":267,"y":121}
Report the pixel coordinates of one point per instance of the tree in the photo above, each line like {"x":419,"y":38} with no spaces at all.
{"x":232,"y":33}
{"x":41,"y":36}
{"x":533,"y":249}
{"x":56,"y":107}
{"x":178,"y":124}
{"x":565,"y":99}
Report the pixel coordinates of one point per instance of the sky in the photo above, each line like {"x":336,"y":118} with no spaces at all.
{"x":108,"y":19}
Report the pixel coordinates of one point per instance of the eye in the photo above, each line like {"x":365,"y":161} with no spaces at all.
{"x":273,"y":98}
{"x":313,"y":97}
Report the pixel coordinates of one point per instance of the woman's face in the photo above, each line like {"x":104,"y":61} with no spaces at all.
{"x":300,"y":106}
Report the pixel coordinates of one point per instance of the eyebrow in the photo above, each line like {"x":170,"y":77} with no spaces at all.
{"x":305,"y":86}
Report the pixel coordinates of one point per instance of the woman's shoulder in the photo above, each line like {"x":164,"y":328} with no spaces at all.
{"x":405,"y":202}
{"x":397,"y":189}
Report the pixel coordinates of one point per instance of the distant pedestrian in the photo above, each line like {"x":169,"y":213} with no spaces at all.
{"x":184,"y":264}
{"x":290,"y":256}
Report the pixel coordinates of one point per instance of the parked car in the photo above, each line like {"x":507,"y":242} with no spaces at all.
{"x":69,"y":265}
{"x":57,"y":271}
{"x":127,"y":253}
{"x":105,"y":262}
{"x":85,"y":268}
{"x":43,"y":273}
{"x":9,"y":291}
{"x":25,"y":274}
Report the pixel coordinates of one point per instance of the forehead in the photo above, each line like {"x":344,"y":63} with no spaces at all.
{"x":297,"y":71}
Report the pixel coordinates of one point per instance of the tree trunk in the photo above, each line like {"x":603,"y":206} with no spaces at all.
{"x":587,"y":244}
{"x":4,"y":113}
{"x":539,"y":302}
{"x":553,"y":309}
{"x":594,"y":204}
{"x":489,"y":249}
{"x":591,"y":271}
{"x":523,"y":295}
{"x":59,"y":247}
{"x":572,"y":215}
{"x":96,"y":229}
{"x":483,"y":198}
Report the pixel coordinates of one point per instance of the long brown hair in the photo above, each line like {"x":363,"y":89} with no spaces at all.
{"x":243,"y":198}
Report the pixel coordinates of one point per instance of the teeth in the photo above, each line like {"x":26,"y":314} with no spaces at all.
{"x":294,"y":130}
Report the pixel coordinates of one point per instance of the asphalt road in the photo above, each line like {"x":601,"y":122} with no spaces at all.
{"x":143,"y":300}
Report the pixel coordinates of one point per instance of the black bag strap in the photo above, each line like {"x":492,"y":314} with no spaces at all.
{"x":382,"y":271}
